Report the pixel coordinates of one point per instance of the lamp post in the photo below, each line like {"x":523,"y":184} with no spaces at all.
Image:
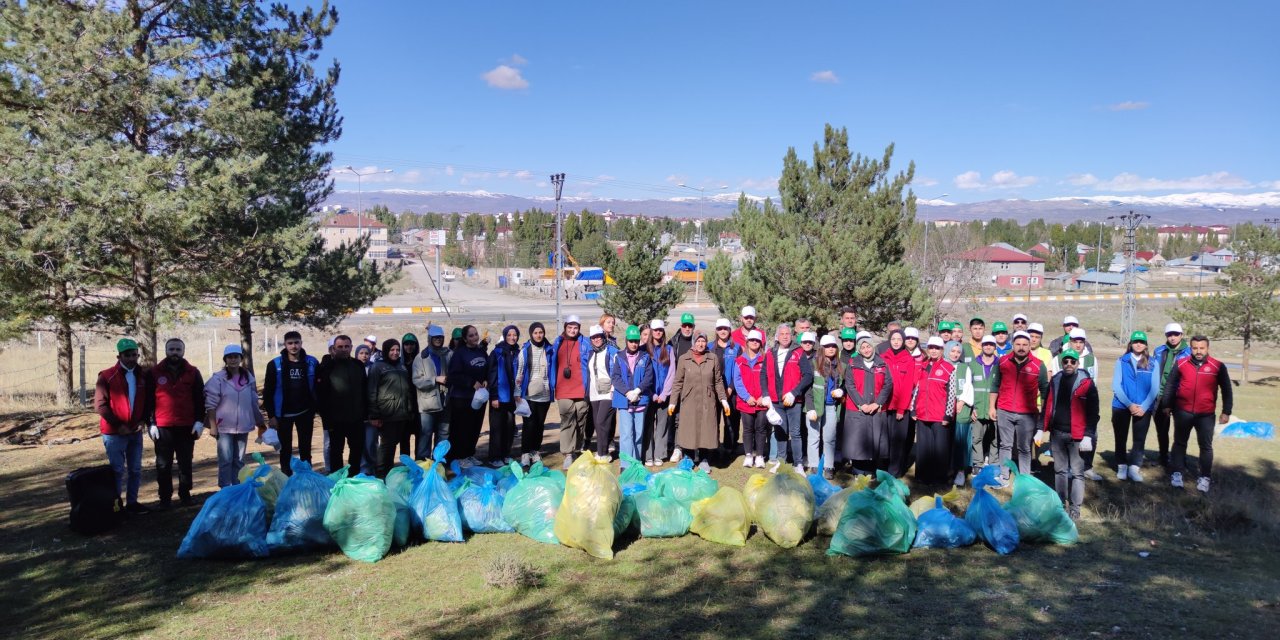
{"x":557,"y":180}
{"x":359,"y":198}
{"x":697,"y":268}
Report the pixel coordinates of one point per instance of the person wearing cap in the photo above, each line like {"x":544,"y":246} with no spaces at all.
{"x":428,"y":375}
{"x":911,"y":342}
{"x":1035,"y":331}
{"x":232,"y":412}
{"x":728,"y":350}
{"x":1020,"y":322}
{"x":1069,"y":323}
{"x":570,"y":351}
{"x":1191,"y":394}
{"x":748,"y":316}
{"x":975,"y":424}
{"x":682,"y":341}
{"x":1070,"y":411}
{"x":502,"y":396}
{"x":600,"y":388}
{"x":867,"y":386}
{"x":536,"y":384}
{"x":1080,"y":344}
{"x":824,"y":407}
{"x":1018,"y":383}
{"x":808,"y":344}
{"x":1001,"y":333}
{"x":122,"y":397}
{"x":372,"y":342}
{"x":176,"y":421}
{"x":289,"y":387}
{"x":698,"y":385}
{"x":750,"y":400}
{"x":973,"y":345}
{"x":468,"y":373}
{"x":848,"y":343}
{"x":1133,"y":387}
{"x":659,"y":437}
{"x":389,"y":390}
{"x":1166,"y":357}
{"x":943,"y":332}
{"x":933,"y":404}
{"x":341,"y":393}
{"x":633,"y":379}
{"x":898,"y":427}
{"x":410,"y":349}
{"x":788,"y":374}
{"x":455,"y":339}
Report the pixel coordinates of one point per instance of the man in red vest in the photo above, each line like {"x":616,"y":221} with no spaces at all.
{"x":933,"y":402}
{"x":1017,"y":385}
{"x":122,"y":398}
{"x":176,"y":425}
{"x":1191,"y":392}
{"x":748,"y":325}
{"x":1070,"y":414}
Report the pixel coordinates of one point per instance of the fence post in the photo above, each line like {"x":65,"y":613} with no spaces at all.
{"x":84,"y":397}
{"x":210,"y":369}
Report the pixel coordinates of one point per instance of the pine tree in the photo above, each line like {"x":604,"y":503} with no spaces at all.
{"x":640,"y":295}
{"x":837,"y":240}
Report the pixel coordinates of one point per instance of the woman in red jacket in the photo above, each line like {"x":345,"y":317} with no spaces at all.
{"x":900,"y":425}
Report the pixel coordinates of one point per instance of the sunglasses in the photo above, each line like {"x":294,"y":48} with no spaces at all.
{"x":1171,"y":334}
{"x":1068,"y":361}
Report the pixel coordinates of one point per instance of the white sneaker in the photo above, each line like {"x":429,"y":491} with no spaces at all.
{"x":1135,"y":473}
{"x":959,"y":479}
{"x":759,"y":462}
{"x":774,"y":466}
{"x":1122,"y":472}
{"x":524,"y":459}
{"x":800,"y":469}
{"x":650,"y":463}
{"x":535,"y":458}
{"x":1202,"y":485}
{"x":605,"y":459}
{"x":747,"y":460}
{"x":1090,"y":474}
{"x":1176,"y":480}
{"x":677,"y":455}
{"x":568,"y":460}
{"x":705,"y":467}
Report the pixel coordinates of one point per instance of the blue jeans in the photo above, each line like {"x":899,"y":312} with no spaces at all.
{"x":122,"y":452}
{"x":231,"y":448}
{"x":369,"y":461}
{"x":790,"y":432}
{"x":822,"y":437}
{"x":630,"y":434}
{"x":432,"y":430}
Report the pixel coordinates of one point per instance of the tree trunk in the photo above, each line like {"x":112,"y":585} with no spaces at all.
{"x":66,"y":381}
{"x":144,"y":292}
{"x":1244,"y":362}
{"x":246,"y":338}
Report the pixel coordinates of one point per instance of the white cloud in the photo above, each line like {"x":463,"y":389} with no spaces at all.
{"x":506,"y":78}
{"x":1129,"y":105}
{"x":1082,"y":179}
{"x":922,"y":181}
{"x":448,"y":170}
{"x":523,"y":174}
{"x":518,"y":60}
{"x":1134,"y":182}
{"x":826,"y":77}
{"x":969,"y":180}
{"x":1009,"y":180}
{"x":763,"y":184}
{"x":676,"y":179}
{"x":1270,"y":185}
{"x":604,"y":177}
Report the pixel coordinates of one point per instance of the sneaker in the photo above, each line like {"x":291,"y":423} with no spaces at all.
{"x":650,"y":463}
{"x":747,"y":460}
{"x":568,"y":460}
{"x":959,"y":479}
{"x":1073,"y":513}
{"x":800,"y":469}
{"x":1175,"y":480}
{"x":1135,"y":473}
{"x":677,"y":455}
{"x":137,"y":508}
{"x":537,"y":457}
{"x":524,"y":460}
{"x":605,"y":459}
{"x":773,"y":466}
{"x":759,"y":462}
{"x":1122,"y":472}
{"x":704,"y":467}
{"x":1202,"y":485}
{"x":1090,"y":474}
{"x":829,"y":474}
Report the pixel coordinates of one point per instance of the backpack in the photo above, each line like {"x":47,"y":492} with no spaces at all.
{"x":95,"y":505}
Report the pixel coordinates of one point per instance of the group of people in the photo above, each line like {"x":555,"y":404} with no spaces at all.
{"x":947,"y":405}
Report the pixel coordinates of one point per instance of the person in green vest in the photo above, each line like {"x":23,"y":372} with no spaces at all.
{"x":973,"y":411}
{"x":973,"y":346}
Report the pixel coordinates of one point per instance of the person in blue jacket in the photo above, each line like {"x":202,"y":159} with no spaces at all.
{"x":502,"y":396}
{"x":1166,"y":357}
{"x":1134,"y":385}
{"x":633,"y":379}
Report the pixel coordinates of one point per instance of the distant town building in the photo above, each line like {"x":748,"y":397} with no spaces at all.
{"x":1006,"y":266}
{"x":1219,"y":232}
{"x":347,"y":227}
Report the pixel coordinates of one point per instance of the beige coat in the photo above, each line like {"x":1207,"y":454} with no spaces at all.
{"x":697,"y":393}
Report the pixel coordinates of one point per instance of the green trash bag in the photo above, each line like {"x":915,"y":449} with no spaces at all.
{"x":661,"y":515}
{"x":783,"y":507}
{"x":530,"y":507}
{"x":591,"y":501}
{"x":722,"y":518}
{"x":683,"y":484}
{"x":339,"y":474}
{"x":635,"y":473}
{"x":827,"y":517}
{"x":875,"y":521}
{"x":1038,"y":511}
{"x":361,"y":517}
{"x":271,"y":485}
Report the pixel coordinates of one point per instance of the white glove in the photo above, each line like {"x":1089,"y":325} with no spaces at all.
{"x":197,"y":430}
{"x":837,"y":393}
{"x":813,"y":415}
{"x":788,"y":399}
{"x":1039,"y":438}
{"x":1086,"y":444}
{"x":633,"y":396}
{"x":154,"y":432}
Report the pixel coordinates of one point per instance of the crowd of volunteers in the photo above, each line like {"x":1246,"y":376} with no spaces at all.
{"x":948,"y":405}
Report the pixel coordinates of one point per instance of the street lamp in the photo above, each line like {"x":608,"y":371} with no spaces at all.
{"x":697,"y":268}
{"x":359,"y":197}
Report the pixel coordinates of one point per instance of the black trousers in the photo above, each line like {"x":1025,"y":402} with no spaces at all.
{"x":933,"y":452}
{"x":902,"y":435}
{"x":502,"y":432}
{"x":755,"y":433}
{"x":605,"y":421}
{"x":305,"y":423}
{"x":464,"y":428}
{"x":1183,"y":424}
{"x":1120,"y":421}
{"x":390,"y":433}
{"x":352,"y":435}
{"x":1162,"y":421}
{"x":174,"y":442}
{"x":534,"y":427}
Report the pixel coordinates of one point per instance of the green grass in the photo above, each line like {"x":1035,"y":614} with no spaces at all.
{"x":1213,"y":570}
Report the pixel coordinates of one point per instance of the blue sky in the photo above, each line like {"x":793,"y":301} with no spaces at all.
{"x":990,"y":99}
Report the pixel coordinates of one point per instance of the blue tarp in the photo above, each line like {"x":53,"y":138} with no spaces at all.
{"x":590,"y":274}
{"x":684,"y":265}
{"x":1263,"y":430}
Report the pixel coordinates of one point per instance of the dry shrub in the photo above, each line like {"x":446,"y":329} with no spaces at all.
{"x":508,"y":571}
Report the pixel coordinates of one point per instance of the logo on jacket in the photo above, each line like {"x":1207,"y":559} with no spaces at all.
{"x":162,"y":380}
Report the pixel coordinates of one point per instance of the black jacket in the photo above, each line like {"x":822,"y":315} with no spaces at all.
{"x":390,"y":391}
{"x":341,"y":390}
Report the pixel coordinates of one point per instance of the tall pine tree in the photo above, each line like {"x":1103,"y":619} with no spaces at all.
{"x":640,"y":295}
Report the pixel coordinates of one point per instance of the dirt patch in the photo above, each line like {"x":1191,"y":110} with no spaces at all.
{"x":28,"y":429}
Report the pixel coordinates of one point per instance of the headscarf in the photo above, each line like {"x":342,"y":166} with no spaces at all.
{"x":904,"y":341}
{"x":538,"y":325}
{"x":386,"y":349}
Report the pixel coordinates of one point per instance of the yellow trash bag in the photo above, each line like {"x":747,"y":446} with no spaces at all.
{"x":828,"y":515}
{"x":271,"y":485}
{"x":751,"y":490}
{"x":722,"y":518}
{"x":591,"y":500}
{"x":925,"y":503}
{"x":784,"y":508}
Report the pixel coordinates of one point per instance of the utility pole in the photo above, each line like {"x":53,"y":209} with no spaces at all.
{"x":557,"y":179}
{"x":1131,"y":221}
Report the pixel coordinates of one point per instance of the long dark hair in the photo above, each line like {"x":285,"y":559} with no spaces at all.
{"x":1143,"y":360}
{"x":663,"y":356}
{"x":830,"y":367}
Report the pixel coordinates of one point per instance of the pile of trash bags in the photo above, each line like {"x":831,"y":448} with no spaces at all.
{"x":590,"y":508}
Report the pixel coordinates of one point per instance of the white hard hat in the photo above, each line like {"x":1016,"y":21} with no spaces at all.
{"x":596,"y":330}
{"x":724,"y":322}
{"x":1036,"y":327}
{"x":935,"y":341}
{"x":1020,"y":334}
{"x":1019,"y":316}
{"x":1070,"y":320}
{"x":1172,"y":327}
{"x":755,"y":334}
{"x":990,"y":339}
{"x":371,"y":338}
{"x":864,"y":335}
{"x":808,"y":336}
{"x":911,"y":332}
{"x":828,"y":341}
{"x":657,"y":324}
{"x":573,"y":319}
{"x":748,"y":311}
{"x":1077,"y":334}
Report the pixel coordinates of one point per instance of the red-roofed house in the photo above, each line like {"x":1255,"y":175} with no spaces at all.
{"x":346,"y":227}
{"x":1222,"y":231}
{"x":1006,"y":266}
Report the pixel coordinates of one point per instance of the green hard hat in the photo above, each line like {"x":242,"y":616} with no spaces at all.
{"x":457,"y":333}
{"x":633,"y":332}
{"x":945,"y":325}
{"x":1069,"y":353}
{"x":686,"y":318}
{"x":848,"y":334}
{"x":409,"y":337}
{"x":126,"y":344}
{"x":1138,"y":336}
{"x":999,"y":327}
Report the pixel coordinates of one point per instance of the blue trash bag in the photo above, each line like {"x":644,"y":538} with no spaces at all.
{"x":231,"y":524}
{"x":434,"y":506}
{"x":627,"y":518}
{"x":530,"y":507}
{"x":481,"y":506}
{"x":938,"y":528}
{"x":401,"y":482}
{"x":822,"y":487}
{"x":299,"y":519}
{"x":683,"y":484}
{"x":992,"y":524}
{"x":1263,"y":430}
{"x":455,"y":483}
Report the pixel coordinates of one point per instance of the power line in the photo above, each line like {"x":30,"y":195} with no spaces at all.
{"x":1131,"y":221}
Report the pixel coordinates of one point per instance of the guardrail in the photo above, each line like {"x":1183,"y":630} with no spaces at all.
{"x":1085,"y":297}
{"x":364,"y":311}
